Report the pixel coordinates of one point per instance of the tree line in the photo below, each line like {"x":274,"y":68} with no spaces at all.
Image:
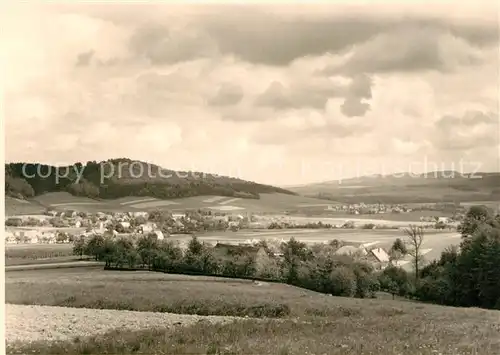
{"x":316,"y":268}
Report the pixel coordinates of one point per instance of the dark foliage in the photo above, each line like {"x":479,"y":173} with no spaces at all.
{"x":123,"y":177}
{"x":300,"y":266}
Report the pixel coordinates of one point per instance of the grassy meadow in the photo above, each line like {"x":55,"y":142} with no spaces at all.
{"x":268,"y":202}
{"x":304,"y":322}
{"x":24,"y":254}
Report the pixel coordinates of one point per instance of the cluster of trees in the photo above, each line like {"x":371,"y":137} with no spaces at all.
{"x":17,"y":187}
{"x":464,"y":276}
{"x":316,"y":268}
{"x":470,"y":275}
{"x":27,"y":180}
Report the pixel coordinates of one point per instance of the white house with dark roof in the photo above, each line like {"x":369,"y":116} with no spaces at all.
{"x":159,"y":234}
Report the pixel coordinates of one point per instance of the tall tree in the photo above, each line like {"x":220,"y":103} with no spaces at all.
{"x":415,"y":237}
{"x":476,"y":215}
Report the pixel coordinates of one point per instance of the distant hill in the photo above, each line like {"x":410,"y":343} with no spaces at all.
{"x":438,"y":186}
{"x":117,"y":178}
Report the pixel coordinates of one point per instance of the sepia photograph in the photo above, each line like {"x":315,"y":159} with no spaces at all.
{"x":307,"y":177}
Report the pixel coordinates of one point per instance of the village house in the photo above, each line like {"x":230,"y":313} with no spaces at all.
{"x":125,"y":224}
{"x":179,"y":226}
{"x":159,"y":234}
{"x":47,"y":237}
{"x":10,"y":238}
{"x":138,"y":214}
{"x":147,"y":228}
{"x":30,"y":236}
{"x":221,"y":218}
{"x":178,"y":216}
{"x":234,"y":226}
{"x":378,"y":257}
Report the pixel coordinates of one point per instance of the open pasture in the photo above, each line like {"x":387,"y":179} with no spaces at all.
{"x":403,"y":190}
{"x":158,"y":292}
{"x":407,"y":217}
{"x":17,"y":254}
{"x":400,"y":220}
{"x":310,"y":322}
{"x":268,"y":203}
{"x":274,"y":202}
{"x":57,"y":199}
{"x":14,"y":206}
{"x":147,"y":205}
{"x":495,"y":205}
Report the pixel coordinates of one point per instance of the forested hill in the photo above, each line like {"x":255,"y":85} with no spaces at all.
{"x":123,"y":177}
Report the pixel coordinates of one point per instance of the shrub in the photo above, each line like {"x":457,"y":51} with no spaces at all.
{"x":343,"y":282}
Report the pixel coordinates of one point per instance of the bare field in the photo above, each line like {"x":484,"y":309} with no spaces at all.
{"x":32,"y":323}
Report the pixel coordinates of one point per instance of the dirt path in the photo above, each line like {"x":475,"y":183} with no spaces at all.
{"x":30,"y":323}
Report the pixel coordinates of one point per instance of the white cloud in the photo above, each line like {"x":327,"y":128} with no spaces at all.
{"x":87,"y":83}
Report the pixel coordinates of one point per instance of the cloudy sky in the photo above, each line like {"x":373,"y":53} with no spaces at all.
{"x":275,"y":94}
